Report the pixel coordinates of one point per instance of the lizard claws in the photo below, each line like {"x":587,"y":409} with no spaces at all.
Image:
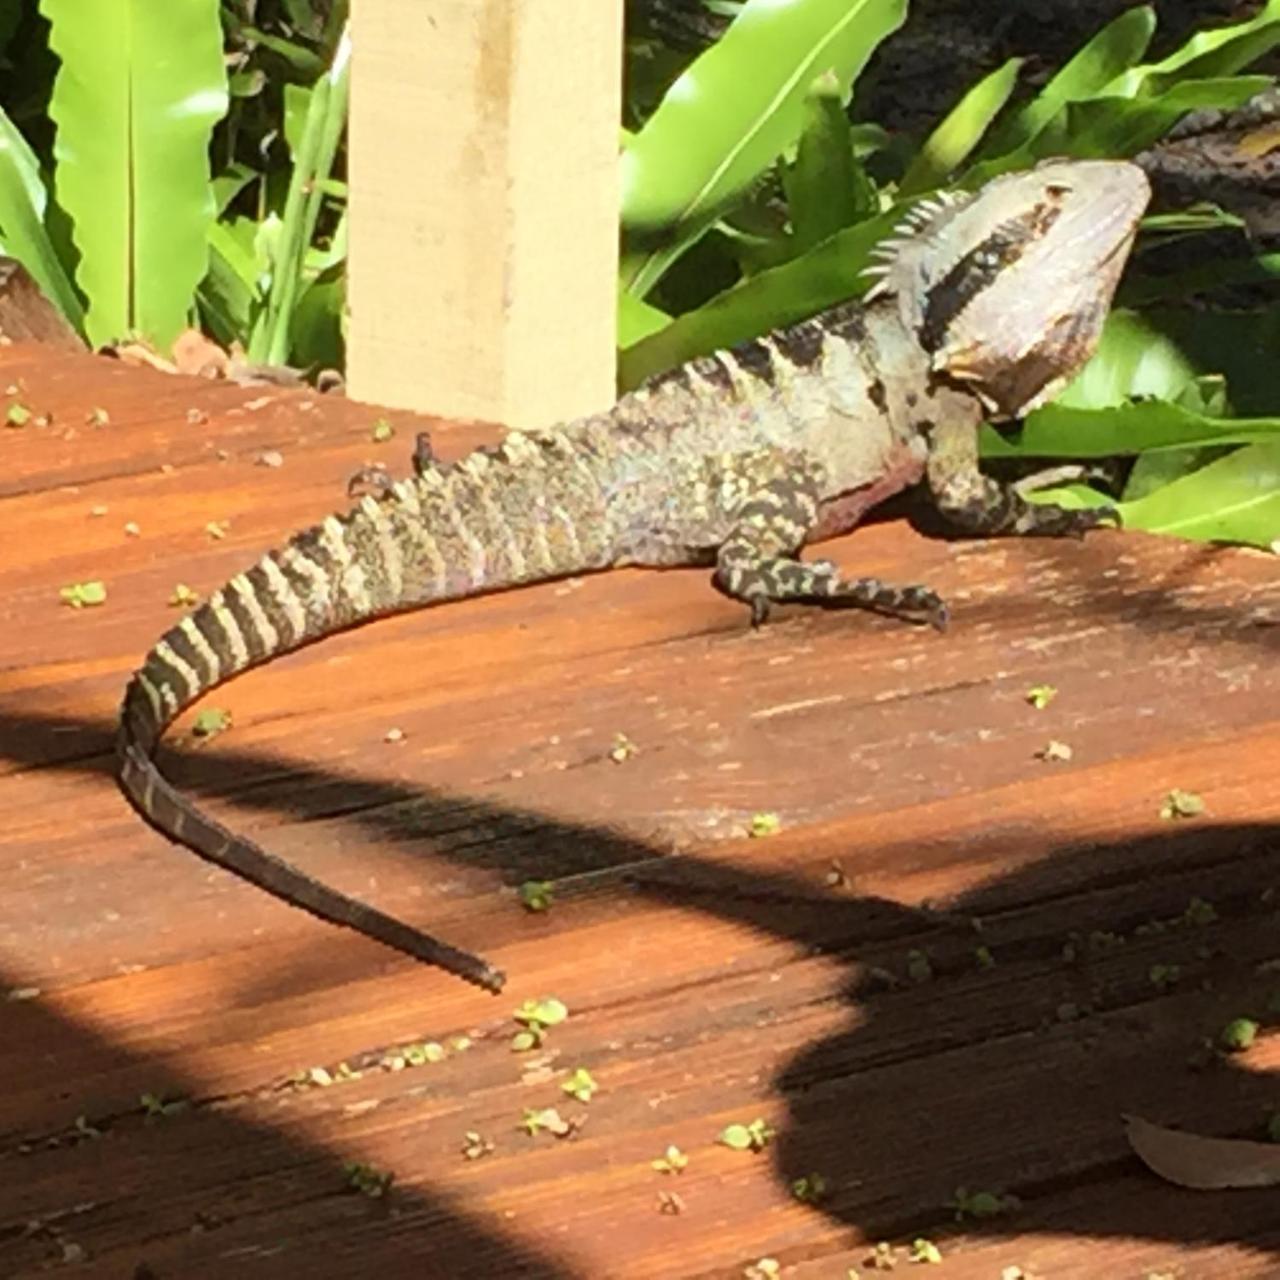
{"x":375,"y":479}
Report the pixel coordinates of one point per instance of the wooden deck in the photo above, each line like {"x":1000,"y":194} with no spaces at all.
{"x":711,"y":978}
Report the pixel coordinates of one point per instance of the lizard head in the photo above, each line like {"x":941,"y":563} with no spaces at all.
{"x":1007,"y":289}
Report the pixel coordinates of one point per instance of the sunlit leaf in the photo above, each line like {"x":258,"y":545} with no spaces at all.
{"x":1060,"y":432}
{"x":828,"y":274}
{"x":731,"y":113}
{"x":961,"y":130}
{"x":23,"y":200}
{"x":1235,"y":499}
{"x":825,"y":183}
{"x":1109,"y":53}
{"x":637,"y":319}
{"x":139,"y":88}
{"x":1122,"y":126}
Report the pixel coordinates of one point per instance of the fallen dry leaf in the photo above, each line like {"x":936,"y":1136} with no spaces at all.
{"x":1207,"y":1164}
{"x":195,"y":354}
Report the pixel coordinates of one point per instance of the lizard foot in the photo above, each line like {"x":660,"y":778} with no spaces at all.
{"x":1047,"y":520}
{"x":375,"y":480}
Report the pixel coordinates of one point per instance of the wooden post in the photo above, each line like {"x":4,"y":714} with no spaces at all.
{"x":483,"y":165}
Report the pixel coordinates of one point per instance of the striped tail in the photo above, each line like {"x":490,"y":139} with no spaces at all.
{"x":382,"y":557}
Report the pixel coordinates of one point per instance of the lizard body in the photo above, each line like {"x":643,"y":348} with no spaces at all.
{"x":986,"y":305}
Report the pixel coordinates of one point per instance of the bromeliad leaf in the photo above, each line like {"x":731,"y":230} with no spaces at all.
{"x":826,"y":275}
{"x":1115,"y":49}
{"x":139,"y":88}
{"x":1235,"y":499}
{"x":1121,"y":126}
{"x":962,"y":129}
{"x":731,"y":114}
{"x":825,"y":187}
{"x":23,"y":199}
{"x":1058,"y":431}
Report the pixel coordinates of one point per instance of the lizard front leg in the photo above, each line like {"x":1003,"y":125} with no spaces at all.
{"x":758,"y":562}
{"x":980,"y":505}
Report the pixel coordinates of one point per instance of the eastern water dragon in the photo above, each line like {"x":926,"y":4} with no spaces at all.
{"x":984,"y":306}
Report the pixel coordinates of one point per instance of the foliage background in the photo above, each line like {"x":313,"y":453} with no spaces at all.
{"x":163,"y":164}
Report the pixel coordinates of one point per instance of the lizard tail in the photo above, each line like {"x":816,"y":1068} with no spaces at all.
{"x":325,"y":579}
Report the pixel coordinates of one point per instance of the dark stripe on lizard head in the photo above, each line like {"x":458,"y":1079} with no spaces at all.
{"x":756,"y":358}
{"x":981,"y":267}
{"x":801,"y":344}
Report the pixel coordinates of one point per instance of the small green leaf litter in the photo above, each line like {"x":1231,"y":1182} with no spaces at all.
{"x":382,"y":431}
{"x":981,"y":1204}
{"x":17,"y":415}
{"x":184,"y":597}
{"x":763,"y":824}
{"x":537,"y":895}
{"x":536,"y":1119}
{"x":84,"y":595}
{"x":623,"y":748}
{"x":1040,"y":695}
{"x":581,"y":1085}
{"x":368,"y":1179}
{"x":809,"y":1189}
{"x":210,"y":722}
{"x":1181,"y":804}
{"x":673,"y":1160}
{"x":919,"y":968}
{"x":746,"y":1137}
{"x":923,"y":1250}
{"x":1238,"y":1035}
{"x":536,"y":1016}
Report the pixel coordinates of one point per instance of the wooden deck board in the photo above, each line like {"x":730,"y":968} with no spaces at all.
{"x":711,"y":977}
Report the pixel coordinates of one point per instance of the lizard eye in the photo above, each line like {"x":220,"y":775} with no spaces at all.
{"x":1057,"y":190}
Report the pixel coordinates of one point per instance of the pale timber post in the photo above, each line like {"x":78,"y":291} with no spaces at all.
{"x":483,"y":206}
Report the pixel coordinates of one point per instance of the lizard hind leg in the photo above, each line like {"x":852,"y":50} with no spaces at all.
{"x":757,"y":562}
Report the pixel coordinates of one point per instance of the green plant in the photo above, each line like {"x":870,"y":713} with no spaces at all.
{"x":122,"y":217}
{"x":694,"y":175}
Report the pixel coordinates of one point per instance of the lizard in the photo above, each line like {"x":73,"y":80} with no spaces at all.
{"x":983,"y":306}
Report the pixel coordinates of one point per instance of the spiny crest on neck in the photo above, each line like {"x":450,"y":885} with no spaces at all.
{"x":1006,"y":289}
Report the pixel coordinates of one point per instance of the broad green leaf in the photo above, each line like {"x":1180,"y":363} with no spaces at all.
{"x":1057,"y":431}
{"x":731,"y":113}
{"x":961,"y":131}
{"x":23,"y":200}
{"x":1207,"y":55}
{"x":823,"y":186}
{"x":139,"y":88}
{"x":1109,"y":53}
{"x":316,"y":340}
{"x":1235,"y":499}
{"x":1134,"y":358}
{"x":826,"y":275}
{"x":228,"y":185}
{"x":1122,"y":126}
{"x":1158,"y":467}
{"x":637,"y":319}
{"x":228,"y":295}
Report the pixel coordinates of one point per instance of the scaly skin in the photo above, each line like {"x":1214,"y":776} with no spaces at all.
{"x":734,"y":460}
